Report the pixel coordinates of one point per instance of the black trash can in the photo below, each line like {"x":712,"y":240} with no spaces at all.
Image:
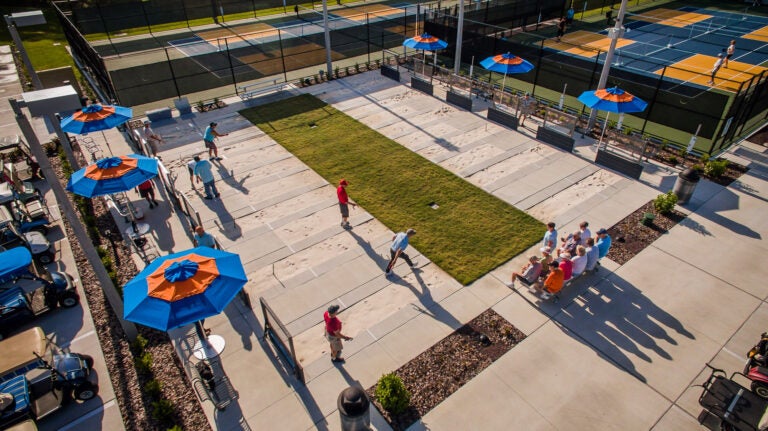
{"x":686,"y":184}
{"x":354,"y":410}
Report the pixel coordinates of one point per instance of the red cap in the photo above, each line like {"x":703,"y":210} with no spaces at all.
{"x":343,"y":182}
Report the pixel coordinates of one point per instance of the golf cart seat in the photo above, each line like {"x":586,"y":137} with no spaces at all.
{"x":32,"y":209}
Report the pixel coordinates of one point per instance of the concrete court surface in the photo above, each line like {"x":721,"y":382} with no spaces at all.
{"x":630,"y":340}
{"x":72,"y":329}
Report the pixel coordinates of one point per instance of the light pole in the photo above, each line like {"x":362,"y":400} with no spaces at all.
{"x":24,"y":19}
{"x":615,"y":33}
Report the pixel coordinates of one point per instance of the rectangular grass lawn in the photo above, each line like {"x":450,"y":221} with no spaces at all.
{"x":471,"y":233}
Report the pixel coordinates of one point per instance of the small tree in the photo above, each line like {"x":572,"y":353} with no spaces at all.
{"x":392,"y":393}
{"x":665,"y":202}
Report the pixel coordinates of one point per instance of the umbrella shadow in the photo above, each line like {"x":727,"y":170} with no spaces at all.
{"x":229,"y":178}
{"x":621,"y":324}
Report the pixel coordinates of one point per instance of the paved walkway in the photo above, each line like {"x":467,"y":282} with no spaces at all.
{"x":619,"y":351}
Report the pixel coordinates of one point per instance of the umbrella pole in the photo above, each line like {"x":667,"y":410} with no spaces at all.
{"x":200,"y":330}
{"x":607,"y":114}
{"x":503,"y":84}
{"x":103,"y":135}
{"x":131,"y":214}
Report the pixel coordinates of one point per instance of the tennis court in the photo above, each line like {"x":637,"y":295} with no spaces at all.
{"x":246,"y":45}
{"x":682,"y":44}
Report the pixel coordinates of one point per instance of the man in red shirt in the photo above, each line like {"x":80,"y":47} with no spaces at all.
{"x":344,"y":203}
{"x":147,"y":192}
{"x":333,"y":332}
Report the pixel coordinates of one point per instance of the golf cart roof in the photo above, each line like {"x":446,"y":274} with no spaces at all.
{"x":13,"y":263}
{"x":19,"y":350}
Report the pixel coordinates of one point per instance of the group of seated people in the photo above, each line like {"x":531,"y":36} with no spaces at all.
{"x":578,"y":254}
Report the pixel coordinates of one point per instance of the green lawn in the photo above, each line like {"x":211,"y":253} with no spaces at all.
{"x":45,"y":44}
{"x":471,"y":233}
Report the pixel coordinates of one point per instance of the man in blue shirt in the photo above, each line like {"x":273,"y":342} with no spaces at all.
{"x":550,"y":237}
{"x":205,"y":174}
{"x":210,"y":135}
{"x":603,"y":243}
{"x":203,"y":238}
{"x":397,"y":249}
{"x":569,"y":15}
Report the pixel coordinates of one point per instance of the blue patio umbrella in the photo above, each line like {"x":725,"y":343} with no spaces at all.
{"x":183,"y":288}
{"x":425,"y":42}
{"x":506,"y":64}
{"x":612,"y":100}
{"x":96,"y":117}
{"x":112,"y":175}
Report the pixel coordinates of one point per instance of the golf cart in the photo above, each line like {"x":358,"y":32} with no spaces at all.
{"x":40,"y":377}
{"x":33,"y":240}
{"x":730,"y":406}
{"x":16,"y":153}
{"x":25,"y":221}
{"x":28,"y":290}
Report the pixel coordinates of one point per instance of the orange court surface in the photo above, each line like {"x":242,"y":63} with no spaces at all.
{"x":697,"y":69}
{"x":358,"y":13}
{"x":584,"y":43}
{"x":671,"y":17}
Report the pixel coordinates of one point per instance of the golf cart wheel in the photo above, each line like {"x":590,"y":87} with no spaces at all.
{"x":85,"y":392}
{"x":44,"y":258}
{"x":760,"y":388}
{"x":69,"y":299}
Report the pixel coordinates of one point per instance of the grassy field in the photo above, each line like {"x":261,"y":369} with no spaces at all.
{"x":471,"y":232}
{"x":45,"y":44}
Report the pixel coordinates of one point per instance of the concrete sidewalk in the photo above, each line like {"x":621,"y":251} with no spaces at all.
{"x":630,"y":339}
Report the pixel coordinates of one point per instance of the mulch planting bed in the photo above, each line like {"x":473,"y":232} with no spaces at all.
{"x":629,"y":236}
{"x":445,"y":367}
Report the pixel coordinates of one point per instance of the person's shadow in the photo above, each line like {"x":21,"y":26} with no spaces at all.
{"x":229,"y":178}
{"x":615,"y":319}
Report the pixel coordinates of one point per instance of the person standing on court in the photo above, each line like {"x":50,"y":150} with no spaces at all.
{"x":146,"y":191}
{"x":344,"y":203}
{"x":715,"y":68}
{"x":397,"y":249}
{"x":569,"y":16}
{"x":526,"y":108}
{"x":204,"y":173}
{"x":191,"y":168}
{"x":729,"y":52}
{"x":560,"y":28}
{"x":208,"y":137}
{"x":333,"y":332}
{"x":152,"y":138}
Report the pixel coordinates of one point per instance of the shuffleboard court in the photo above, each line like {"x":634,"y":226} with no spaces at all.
{"x":696,"y":69}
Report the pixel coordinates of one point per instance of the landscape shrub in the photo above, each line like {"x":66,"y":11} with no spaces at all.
{"x":715,"y":168}
{"x":665,"y":202}
{"x":392,"y":393}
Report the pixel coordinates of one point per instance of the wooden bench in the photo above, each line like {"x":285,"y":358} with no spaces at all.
{"x":258,"y":88}
{"x":546,"y":296}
